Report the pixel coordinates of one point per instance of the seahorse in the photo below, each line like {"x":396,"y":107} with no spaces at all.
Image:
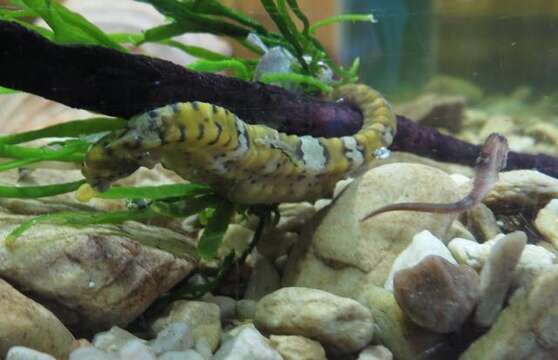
{"x":248,"y":164}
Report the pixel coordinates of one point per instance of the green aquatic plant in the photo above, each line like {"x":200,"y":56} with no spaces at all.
{"x":68,"y":27}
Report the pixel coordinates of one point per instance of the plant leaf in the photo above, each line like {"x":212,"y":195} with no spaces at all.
{"x":215,"y":230}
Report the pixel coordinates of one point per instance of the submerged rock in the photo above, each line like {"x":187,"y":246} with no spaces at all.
{"x":340,"y":324}
{"x":522,"y":188}
{"x":546,"y":222}
{"x":247,"y":344}
{"x":482,"y":222}
{"x":24,"y":353}
{"x":92,"y":353}
{"x":136,"y":350}
{"x":424,"y":244}
{"x":340,"y":254}
{"x":437,"y":294}
{"x":113,"y":340}
{"x":24,"y":322}
{"x":534,"y":259}
{"x":94,"y":276}
{"x":497,"y":275}
{"x":176,"y":336}
{"x":201,"y":317}
{"x":375,"y":352}
{"x":292,"y":347}
{"x":405,"y":339}
{"x":527,"y":328}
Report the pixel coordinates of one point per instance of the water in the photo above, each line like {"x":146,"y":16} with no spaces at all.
{"x":498,"y":45}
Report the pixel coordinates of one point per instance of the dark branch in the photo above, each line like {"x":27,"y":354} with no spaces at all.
{"x":113,"y":83}
{"x":428,"y":142}
{"x":118,"y":84}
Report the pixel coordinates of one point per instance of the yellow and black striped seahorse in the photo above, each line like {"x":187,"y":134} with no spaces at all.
{"x":248,"y":164}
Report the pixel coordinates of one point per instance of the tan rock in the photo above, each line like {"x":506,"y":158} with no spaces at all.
{"x":24,"y":322}
{"x":526,"y":329}
{"x":342,"y":325}
{"x":202,"y":317}
{"x":482,"y":222}
{"x":340,"y":254}
{"x":436,"y":294}
{"x":522,"y":189}
{"x":292,"y":347}
{"x":405,"y":339}
{"x":497,"y":275}
{"x":534,"y":259}
{"x":95,"y":276}
{"x":458,"y":230}
{"x":546,"y":222}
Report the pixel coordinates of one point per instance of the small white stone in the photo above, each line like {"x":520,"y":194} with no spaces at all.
{"x":534,"y":259}
{"x":113,"y":339}
{"x":248,"y":344}
{"x":423,"y":245}
{"x":181,"y":355}
{"x":91,"y":353}
{"x":175,"y":337}
{"x":375,"y":352}
{"x":136,"y":350}
{"x":25,"y":353}
{"x":202,"y":317}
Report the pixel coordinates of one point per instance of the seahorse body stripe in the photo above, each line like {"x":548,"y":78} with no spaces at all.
{"x":249,"y":164}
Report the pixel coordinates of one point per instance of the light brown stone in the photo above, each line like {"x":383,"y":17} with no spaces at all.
{"x":24,"y":322}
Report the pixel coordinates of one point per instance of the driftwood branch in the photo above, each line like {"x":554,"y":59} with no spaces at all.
{"x":118,"y":84}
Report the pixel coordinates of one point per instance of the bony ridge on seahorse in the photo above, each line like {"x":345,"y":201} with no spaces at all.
{"x":248,"y":164}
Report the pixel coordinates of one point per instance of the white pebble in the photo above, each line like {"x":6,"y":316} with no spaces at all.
{"x":136,"y":350}
{"x":181,"y":355}
{"x":375,"y":352}
{"x":534,"y":259}
{"x":113,"y":339}
{"x":91,"y":353}
{"x":25,"y":353}
{"x":176,"y":336}
{"x":248,"y":344}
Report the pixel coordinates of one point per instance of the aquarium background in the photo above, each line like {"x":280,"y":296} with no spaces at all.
{"x":497,"y":44}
